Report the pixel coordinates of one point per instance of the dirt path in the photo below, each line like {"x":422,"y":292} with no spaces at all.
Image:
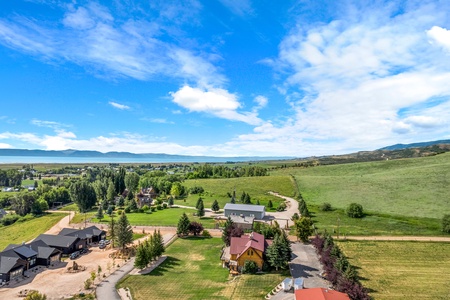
{"x":63,"y":223}
{"x":285,"y":216}
{"x":399,"y":238}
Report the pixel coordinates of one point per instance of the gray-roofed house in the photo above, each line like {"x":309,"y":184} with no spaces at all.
{"x":46,"y":255}
{"x":247,"y":210}
{"x":246,"y":223}
{"x":90,"y":234}
{"x":11,"y":265}
{"x":66,"y":244}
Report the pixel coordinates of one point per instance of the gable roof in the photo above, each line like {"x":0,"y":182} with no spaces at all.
{"x":239,"y":245}
{"x":43,"y":250}
{"x":57,"y":240}
{"x":25,"y":251}
{"x":9,"y":260}
{"x":246,"y":207}
{"x":81,"y":233}
{"x":319,"y":294}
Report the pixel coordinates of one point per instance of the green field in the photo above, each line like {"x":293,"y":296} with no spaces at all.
{"x":28,"y":230}
{"x":402,"y":270}
{"x":165,"y":217}
{"x":416,"y":187}
{"x":373,"y":224}
{"x":256,"y":187}
{"x":193,"y":270}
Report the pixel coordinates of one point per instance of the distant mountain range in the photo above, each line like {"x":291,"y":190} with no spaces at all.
{"x":96,"y":154}
{"x":415,"y":145}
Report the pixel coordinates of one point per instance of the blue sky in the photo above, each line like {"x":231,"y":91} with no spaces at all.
{"x":223,"y":77}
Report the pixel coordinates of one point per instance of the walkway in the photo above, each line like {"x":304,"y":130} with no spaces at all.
{"x":106,"y":290}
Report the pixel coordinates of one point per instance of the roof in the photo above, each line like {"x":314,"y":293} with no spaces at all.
{"x":82,"y":233}
{"x":57,"y":240}
{"x":239,"y":245}
{"x":9,"y":260}
{"x":43,"y":250}
{"x":242,"y":220}
{"x":319,"y":294}
{"x":246,"y":207}
{"x":25,"y":251}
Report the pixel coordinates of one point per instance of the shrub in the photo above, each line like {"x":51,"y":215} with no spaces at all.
{"x":355,"y":210}
{"x":9,"y":219}
{"x":326,"y":207}
{"x":153,"y":208}
{"x":249,"y":267}
{"x":119,"y":212}
{"x":446,"y":224}
{"x":140,"y":210}
{"x":127,"y":210}
{"x":145,"y":207}
{"x":159,"y":207}
{"x":206,"y":233}
{"x":281,"y":207}
{"x":164,"y":205}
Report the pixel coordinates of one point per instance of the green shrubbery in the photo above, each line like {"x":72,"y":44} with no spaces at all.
{"x":446,"y":224}
{"x":249,"y":267}
{"x":355,"y":210}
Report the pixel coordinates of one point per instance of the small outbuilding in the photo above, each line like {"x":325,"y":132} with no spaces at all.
{"x":287,"y":284}
{"x":298,"y":283}
{"x":247,"y":210}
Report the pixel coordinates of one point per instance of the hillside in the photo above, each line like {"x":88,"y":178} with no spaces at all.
{"x":408,"y":187}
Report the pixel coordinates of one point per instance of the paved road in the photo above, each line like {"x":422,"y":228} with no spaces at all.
{"x":106,"y":290}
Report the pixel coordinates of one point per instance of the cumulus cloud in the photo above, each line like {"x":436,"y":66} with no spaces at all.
{"x":119,"y":106}
{"x":441,"y":36}
{"x":48,"y":124}
{"x":214,"y":101}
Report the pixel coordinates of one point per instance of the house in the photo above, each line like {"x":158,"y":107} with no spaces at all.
{"x":11,"y":266}
{"x":90,"y":234}
{"x":247,"y":210}
{"x":247,"y":247}
{"x":46,"y":255}
{"x":320,"y":294}
{"x":146,"y":196}
{"x":246,"y":223}
{"x":66,"y":244}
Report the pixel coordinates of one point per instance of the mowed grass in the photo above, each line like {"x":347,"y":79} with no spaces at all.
{"x":402,"y":270}
{"x":337,"y":221}
{"x":165,"y":217}
{"x":28,"y":230}
{"x":415,"y":187}
{"x":193,"y":270}
{"x":256,"y":187}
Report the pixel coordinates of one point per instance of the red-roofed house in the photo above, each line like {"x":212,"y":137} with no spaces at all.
{"x":319,"y":294}
{"x":247,"y":247}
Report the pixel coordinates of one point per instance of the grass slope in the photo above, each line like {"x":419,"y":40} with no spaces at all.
{"x":193,"y":270}
{"x":416,"y":187}
{"x":256,"y":187}
{"x":28,"y":230}
{"x":402,"y":270}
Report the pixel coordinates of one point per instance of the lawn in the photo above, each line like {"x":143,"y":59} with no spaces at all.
{"x":193,"y":270}
{"x":415,"y":187}
{"x":28,"y":230}
{"x":373,"y":224}
{"x":165,"y":217}
{"x":402,"y":270}
{"x":256,"y":187}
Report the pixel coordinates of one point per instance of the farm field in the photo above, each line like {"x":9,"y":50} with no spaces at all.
{"x":373,"y":224}
{"x":256,"y":187}
{"x":416,"y":187}
{"x":28,"y":230}
{"x":193,"y":270}
{"x":402,"y":270}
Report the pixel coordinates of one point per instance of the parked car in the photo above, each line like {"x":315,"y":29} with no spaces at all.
{"x":83,"y":251}
{"x":74,"y":255}
{"x":102,"y":246}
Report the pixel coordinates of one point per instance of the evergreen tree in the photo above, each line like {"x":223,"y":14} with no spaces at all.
{"x":170,"y":202}
{"x":124,"y":232}
{"x":275,"y":253}
{"x":121,"y":201}
{"x":130,"y":195}
{"x":247,"y":199}
{"x":183,"y":225}
{"x":110,"y":192}
{"x":215,"y":206}
{"x":269,"y":204}
{"x":243,"y":197}
{"x":158,"y":244}
{"x":198,"y":202}
{"x":303,"y":228}
{"x":232,"y":200}
{"x":133,"y":205}
{"x":112,"y":231}
{"x":286,"y":250}
{"x":201,"y":209}
{"x":99,"y":214}
{"x":225,"y":232}
{"x":257,"y":202}
{"x":141,"y":260}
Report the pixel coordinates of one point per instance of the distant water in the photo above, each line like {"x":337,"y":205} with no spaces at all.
{"x":76,"y":160}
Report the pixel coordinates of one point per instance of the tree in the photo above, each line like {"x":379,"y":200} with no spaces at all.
{"x":158,"y":244}
{"x":326,"y":207}
{"x":250,"y":267}
{"x":257,"y":202}
{"x":269,"y":204}
{"x":233,"y":200}
{"x":243,"y":197}
{"x":132,"y":181}
{"x":201,"y":209}
{"x":170,"y":201}
{"x":22,"y":203}
{"x":303,"y":229}
{"x":183,"y":225}
{"x":124,"y":232}
{"x":110,"y":192}
{"x":175,"y":191}
{"x":230,"y":230}
{"x":195,"y":228}
{"x":446,"y":224}
{"x":35,"y":295}
{"x":99,"y":214}
{"x":355,"y":210}
{"x":295,"y":217}
{"x":141,"y":260}
{"x":247,"y":199}
{"x":275,"y":255}
{"x":121,"y":201}
{"x":215,"y":206}
{"x":112,"y":231}
{"x":83,"y":194}
{"x":39,"y":206}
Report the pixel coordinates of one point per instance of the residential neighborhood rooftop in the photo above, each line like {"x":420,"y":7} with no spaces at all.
{"x":247,"y":207}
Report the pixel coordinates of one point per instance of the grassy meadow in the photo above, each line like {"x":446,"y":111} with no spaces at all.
{"x":256,"y":187}
{"x":193,"y":270}
{"x":416,"y":187}
{"x":402,"y":270}
{"x":25,"y":231}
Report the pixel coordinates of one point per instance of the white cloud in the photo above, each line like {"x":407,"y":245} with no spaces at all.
{"x":441,"y":36}
{"x":119,"y":106}
{"x":49,"y":124}
{"x":261,"y":102}
{"x":214,"y":101}
{"x":157,"y":120}
{"x":5,"y":146}
{"x":239,"y":7}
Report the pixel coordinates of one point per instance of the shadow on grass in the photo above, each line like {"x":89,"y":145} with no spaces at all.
{"x":166,"y":266}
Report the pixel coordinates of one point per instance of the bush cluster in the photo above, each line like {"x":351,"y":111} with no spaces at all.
{"x":338,"y":270}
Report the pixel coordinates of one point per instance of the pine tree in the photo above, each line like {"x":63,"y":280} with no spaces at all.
{"x":232,"y":200}
{"x":149,"y":249}
{"x":158,"y":243}
{"x":170,"y":201}
{"x":247,"y":199}
{"x":99,"y":214}
{"x":111,"y":192}
{"x":269,"y":204}
{"x":275,"y":253}
{"x":225,"y":232}
{"x":257,"y":202}
{"x":124,"y":232}
{"x":201,"y":209}
{"x":243,"y":197}
{"x":303,"y":228}
{"x":286,"y":247}
{"x":215,"y":206}
{"x":112,"y":231}
{"x":198,"y":202}
{"x":141,"y":257}
{"x":183,"y":225}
